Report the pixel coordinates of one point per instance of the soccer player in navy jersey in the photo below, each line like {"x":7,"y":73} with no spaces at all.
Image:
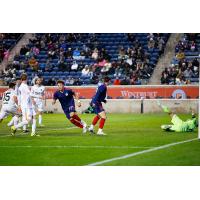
{"x":66,"y":98}
{"x":96,"y":103}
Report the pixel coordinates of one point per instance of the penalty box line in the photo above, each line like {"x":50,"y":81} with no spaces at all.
{"x":141,"y":152}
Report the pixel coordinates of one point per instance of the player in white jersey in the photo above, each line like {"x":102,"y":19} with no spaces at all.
{"x":17,"y":84}
{"x":10,"y":104}
{"x":38,"y":97}
{"x":25,"y":102}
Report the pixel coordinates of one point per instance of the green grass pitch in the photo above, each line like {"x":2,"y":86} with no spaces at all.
{"x":61,"y":144}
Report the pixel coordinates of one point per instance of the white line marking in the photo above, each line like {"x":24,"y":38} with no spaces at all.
{"x":78,"y":146}
{"x":40,"y":131}
{"x":141,"y":152}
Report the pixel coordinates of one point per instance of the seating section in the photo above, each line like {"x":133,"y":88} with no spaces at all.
{"x":84,"y":59}
{"x":7,"y":41}
{"x":184,"y":68}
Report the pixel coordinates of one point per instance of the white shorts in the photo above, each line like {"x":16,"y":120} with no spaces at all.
{"x":8,"y":111}
{"x":28,"y":113}
{"x":39,"y":106}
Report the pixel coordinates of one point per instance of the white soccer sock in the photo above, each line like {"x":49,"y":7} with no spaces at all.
{"x":92,"y":126}
{"x":40,"y":119}
{"x":33,"y":125}
{"x":23,"y":123}
{"x":16,"y":120}
{"x":11,"y":122}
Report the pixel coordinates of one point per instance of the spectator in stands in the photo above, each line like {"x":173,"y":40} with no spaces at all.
{"x":165,"y":79}
{"x":69,"y":53}
{"x":122,"y":53}
{"x":151,"y":43}
{"x":188,"y":73}
{"x":74,"y":66}
{"x":24,"y":50}
{"x":48,"y":66}
{"x":35,"y":51}
{"x":180,"y":55}
{"x":95,"y":54}
{"x":193,"y":46}
{"x":76,"y":54}
{"x":61,"y":63}
{"x":33,"y":63}
{"x":117,"y":81}
{"x":85,"y":71}
{"x":51,"y":82}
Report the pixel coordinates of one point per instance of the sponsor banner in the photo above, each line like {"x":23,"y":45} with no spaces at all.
{"x":136,"y":92}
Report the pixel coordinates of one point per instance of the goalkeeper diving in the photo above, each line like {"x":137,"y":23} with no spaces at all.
{"x":178,"y":125}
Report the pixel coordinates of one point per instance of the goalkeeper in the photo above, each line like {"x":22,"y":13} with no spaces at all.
{"x":179,"y":125}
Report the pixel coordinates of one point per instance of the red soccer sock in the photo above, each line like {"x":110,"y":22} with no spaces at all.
{"x":102,"y":122}
{"x":76,"y":123}
{"x":95,"y":120}
{"x":76,"y":117}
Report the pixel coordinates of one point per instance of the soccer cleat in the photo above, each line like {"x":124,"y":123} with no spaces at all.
{"x":84,"y":130}
{"x":165,"y":109}
{"x":100,"y":132}
{"x":91,"y":129}
{"x":33,"y":134}
{"x":25,"y":131}
{"x":13,"y":130}
{"x":84,"y":127}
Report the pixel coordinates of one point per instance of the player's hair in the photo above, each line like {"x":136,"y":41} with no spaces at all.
{"x":24,"y":77}
{"x":60,"y":81}
{"x":106,"y":79}
{"x":11,"y":85}
{"x":18,"y":78}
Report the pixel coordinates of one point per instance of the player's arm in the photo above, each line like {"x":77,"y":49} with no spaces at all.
{"x":192,"y":112}
{"x":17,"y":103}
{"x":76,"y":97}
{"x":32,"y":96}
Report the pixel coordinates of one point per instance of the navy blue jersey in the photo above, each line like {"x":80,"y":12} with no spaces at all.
{"x":65,"y":97}
{"x":100,"y":95}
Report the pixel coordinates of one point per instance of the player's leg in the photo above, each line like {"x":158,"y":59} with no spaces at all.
{"x":167,"y":127}
{"x":74,"y":119}
{"x":11,"y":122}
{"x":40,"y":112}
{"x":23,"y":123}
{"x":32,"y":116}
{"x":101,"y":123}
{"x":94,"y":122}
{"x":3,"y":114}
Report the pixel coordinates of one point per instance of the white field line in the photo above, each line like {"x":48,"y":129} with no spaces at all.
{"x":57,"y":129}
{"x":141,"y":152}
{"x":76,"y":146}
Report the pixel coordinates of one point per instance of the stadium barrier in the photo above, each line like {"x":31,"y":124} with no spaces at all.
{"x":132,"y":92}
{"x":134,"y":105}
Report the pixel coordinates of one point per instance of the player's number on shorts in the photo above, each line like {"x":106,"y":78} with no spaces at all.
{"x":6,"y":96}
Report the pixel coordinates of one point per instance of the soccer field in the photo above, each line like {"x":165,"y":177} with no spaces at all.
{"x":133,"y":139}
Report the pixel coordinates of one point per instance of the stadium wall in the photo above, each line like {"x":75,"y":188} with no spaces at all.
{"x":134,"y":105}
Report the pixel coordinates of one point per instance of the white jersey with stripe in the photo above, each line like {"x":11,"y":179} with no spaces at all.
{"x":37,"y":92}
{"x":24,"y":96}
{"x":8,"y":99}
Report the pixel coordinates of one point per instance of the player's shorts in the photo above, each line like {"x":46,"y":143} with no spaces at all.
{"x":178,"y":124}
{"x":8,"y":111}
{"x":28,"y":113}
{"x":39,"y":106}
{"x":69,"y":110}
{"x":98,"y":108}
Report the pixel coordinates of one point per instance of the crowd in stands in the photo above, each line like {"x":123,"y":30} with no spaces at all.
{"x":184,"y":68}
{"x":7,"y":41}
{"x":86,"y":58}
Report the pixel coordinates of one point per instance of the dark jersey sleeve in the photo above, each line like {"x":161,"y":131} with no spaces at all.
{"x":71,"y":92}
